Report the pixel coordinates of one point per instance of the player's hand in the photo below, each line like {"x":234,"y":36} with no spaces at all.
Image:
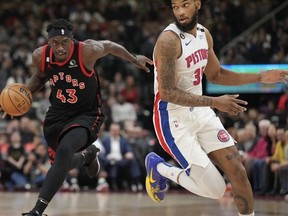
{"x":4,"y":114}
{"x":141,"y":61}
{"x":229,"y":104}
{"x":274,"y":76}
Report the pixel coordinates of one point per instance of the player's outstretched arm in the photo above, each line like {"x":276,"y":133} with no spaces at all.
{"x":105,"y":47}
{"x":218,"y":75}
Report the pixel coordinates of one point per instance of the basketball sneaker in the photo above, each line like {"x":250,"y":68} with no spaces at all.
{"x":92,"y":165}
{"x":156,"y":185}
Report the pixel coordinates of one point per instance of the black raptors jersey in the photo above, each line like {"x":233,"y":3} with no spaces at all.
{"x":74,"y":89}
{"x":75,"y":97}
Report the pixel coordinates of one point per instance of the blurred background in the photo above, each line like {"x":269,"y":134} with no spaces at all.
{"x":249,"y":36}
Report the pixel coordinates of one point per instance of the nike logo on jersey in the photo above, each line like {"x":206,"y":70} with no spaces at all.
{"x":151,"y":177}
{"x":187,"y":43}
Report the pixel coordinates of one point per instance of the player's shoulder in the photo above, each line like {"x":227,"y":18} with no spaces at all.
{"x":91,"y":45}
{"x":89,"y":42}
{"x":170,"y":33}
{"x":171,"y":30}
{"x":37,"y":54}
{"x":202,"y":28}
{"x":38,"y":51}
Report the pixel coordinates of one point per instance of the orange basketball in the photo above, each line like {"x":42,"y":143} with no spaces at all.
{"x":16,"y":99}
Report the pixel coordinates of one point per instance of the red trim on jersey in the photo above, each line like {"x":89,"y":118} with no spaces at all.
{"x":83,"y":69}
{"x":43,"y":58}
{"x":69,"y":57}
{"x":97,"y":118}
{"x":158,"y":129}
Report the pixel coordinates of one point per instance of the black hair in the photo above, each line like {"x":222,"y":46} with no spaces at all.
{"x":203,"y":2}
{"x":59,"y":24}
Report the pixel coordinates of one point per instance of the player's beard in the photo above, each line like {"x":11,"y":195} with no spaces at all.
{"x":190,"y":25}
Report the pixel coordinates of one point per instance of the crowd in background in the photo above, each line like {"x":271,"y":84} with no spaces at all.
{"x":127,"y":93}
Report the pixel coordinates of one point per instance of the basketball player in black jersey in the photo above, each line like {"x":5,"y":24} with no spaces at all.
{"x":75,"y":115}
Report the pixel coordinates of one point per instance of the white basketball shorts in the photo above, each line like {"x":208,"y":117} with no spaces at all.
{"x":189,"y":134}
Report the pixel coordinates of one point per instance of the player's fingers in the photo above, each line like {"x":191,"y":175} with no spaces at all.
{"x":234,"y":96}
{"x":147,"y":69}
{"x":4,"y":115}
{"x":238,"y":101}
{"x":149,"y":61}
{"x":233,"y":112}
{"x":285,"y":77}
{"x":236,"y":108}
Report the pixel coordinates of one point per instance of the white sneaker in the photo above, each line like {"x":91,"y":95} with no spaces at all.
{"x":102,"y":186}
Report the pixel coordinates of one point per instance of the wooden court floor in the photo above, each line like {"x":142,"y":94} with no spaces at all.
{"x":133,"y":204}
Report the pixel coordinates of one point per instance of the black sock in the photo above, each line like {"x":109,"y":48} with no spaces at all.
{"x":40,"y":206}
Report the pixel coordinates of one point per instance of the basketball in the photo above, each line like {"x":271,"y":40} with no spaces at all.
{"x":16,"y":99}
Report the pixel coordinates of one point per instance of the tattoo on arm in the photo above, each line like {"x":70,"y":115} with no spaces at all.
{"x":233,"y":155}
{"x":167,"y":77}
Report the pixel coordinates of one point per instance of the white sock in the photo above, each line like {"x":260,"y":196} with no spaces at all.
{"x":169,"y":172}
{"x":198,"y":184}
{"x":247,"y":214}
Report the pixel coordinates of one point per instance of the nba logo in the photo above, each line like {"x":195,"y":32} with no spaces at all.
{"x":62,"y":31}
{"x":176,"y":124}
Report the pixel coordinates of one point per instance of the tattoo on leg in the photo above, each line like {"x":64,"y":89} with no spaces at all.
{"x":242,"y":204}
{"x":233,"y":155}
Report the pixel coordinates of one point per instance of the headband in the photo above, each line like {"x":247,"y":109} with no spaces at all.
{"x":59,"y":32}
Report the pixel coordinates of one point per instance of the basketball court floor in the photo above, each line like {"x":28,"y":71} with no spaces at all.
{"x":133,"y":204}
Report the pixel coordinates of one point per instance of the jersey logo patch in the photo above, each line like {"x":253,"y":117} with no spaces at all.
{"x":223,"y":136}
{"x":73,"y":63}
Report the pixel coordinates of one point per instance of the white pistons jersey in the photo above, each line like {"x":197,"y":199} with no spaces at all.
{"x":188,"y":134}
{"x":190,"y":65}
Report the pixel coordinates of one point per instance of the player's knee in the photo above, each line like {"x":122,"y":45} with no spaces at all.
{"x":217,"y":185}
{"x":211,"y":181}
{"x":219,"y":189}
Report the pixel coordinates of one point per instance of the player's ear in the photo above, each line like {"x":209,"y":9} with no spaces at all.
{"x":198,"y":4}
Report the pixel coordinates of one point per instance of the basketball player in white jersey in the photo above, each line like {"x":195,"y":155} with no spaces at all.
{"x":186,"y":126}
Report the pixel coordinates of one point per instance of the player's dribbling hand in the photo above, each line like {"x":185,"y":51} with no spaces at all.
{"x":230,"y":104}
{"x":4,"y":114}
{"x":141,"y":61}
{"x":274,"y":76}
